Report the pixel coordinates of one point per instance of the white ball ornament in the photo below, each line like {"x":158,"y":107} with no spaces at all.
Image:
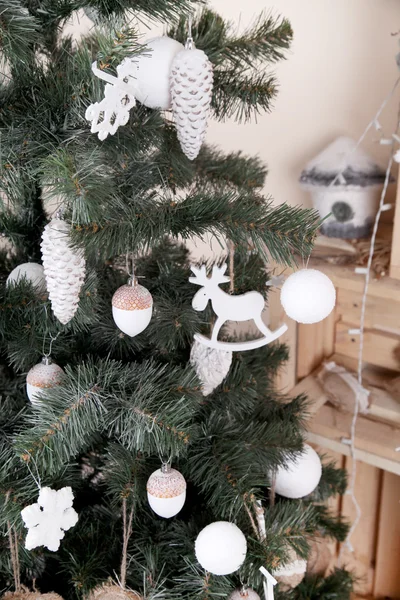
{"x":300,"y":476}
{"x":221,"y":548}
{"x":30,"y":271}
{"x":43,"y":376}
{"x":166,"y":491}
{"x":132,"y":308}
{"x":308,"y":296}
{"x":153,"y":74}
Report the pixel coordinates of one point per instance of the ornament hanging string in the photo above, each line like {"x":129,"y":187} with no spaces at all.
{"x":52,"y":338}
{"x":130,"y":271}
{"x":30,"y":457}
{"x":189,"y":41}
{"x":13,"y":543}
{"x":127,"y":532}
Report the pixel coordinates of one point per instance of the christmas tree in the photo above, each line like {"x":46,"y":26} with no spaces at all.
{"x":113,"y":407}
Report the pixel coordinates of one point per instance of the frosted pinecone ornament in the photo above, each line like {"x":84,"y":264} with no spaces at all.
{"x":64,"y":269}
{"x":191,"y":93}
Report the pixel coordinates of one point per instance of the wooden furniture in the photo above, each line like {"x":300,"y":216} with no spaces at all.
{"x":376,"y":541}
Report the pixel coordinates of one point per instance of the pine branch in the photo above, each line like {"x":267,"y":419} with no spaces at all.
{"x":242,"y":96}
{"x":243,"y":218}
{"x":268,"y":39}
{"x":18,"y":34}
{"x":159,"y":10}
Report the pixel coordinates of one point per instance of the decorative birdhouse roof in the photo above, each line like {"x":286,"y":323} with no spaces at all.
{"x":344,"y":164}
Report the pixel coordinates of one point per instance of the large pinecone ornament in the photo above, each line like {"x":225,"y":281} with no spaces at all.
{"x":191,"y":92}
{"x":211,"y":365}
{"x":64,"y":269}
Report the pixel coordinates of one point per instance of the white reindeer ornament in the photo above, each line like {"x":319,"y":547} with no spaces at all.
{"x":245,"y":307}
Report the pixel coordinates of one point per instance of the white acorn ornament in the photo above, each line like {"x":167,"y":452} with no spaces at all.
{"x":300,"y":476}
{"x":245,"y":593}
{"x":32,"y":272}
{"x":43,"y":376}
{"x":211,"y":365}
{"x":64,"y":268}
{"x":166,"y":491}
{"x":132,"y":307}
{"x":291,"y":573}
{"x":191,"y":94}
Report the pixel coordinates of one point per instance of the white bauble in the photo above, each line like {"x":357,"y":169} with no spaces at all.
{"x":244,"y":594}
{"x":153,"y":74}
{"x":30,"y":271}
{"x":308,"y":296}
{"x":300,"y":476}
{"x":132,"y":307}
{"x":211,"y":365}
{"x":43,"y":376}
{"x":166,"y":491}
{"x":221,"y":548}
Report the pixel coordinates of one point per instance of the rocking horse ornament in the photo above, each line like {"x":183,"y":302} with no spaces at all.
{"x":245,"y":307}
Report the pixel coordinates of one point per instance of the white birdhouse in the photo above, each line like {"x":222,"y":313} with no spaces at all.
{"x":344,"y":183}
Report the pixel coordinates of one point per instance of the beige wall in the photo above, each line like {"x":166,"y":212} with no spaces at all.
{"x":341,"y":66}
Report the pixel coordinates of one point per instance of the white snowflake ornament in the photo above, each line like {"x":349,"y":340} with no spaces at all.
{"x":49,"y":518}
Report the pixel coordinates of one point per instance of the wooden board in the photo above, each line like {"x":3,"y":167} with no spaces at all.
{"x":379,"y":348}
{"x":315,"y":342}
{"x":345,"y":277}
{"x":387,"y":571}
{"x":395,"y":256}
{"x":381,"y":313}
{"x":363,"y":539}
{"x":375,"y":442}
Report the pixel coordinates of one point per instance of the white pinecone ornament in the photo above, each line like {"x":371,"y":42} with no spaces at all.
{"x":191,"y":92}
{"x":211,"y":365}
{"x":64,"y":269}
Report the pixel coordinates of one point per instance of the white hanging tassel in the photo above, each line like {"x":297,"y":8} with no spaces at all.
{"x":64,"y":269}
{"x":191,"y":93}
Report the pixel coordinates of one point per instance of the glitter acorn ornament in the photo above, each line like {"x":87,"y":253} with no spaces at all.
{"x":111,"y":591}
{"x":308,"y":296}
{"x":132,"y":307}
{"x":245,"y":593}
{"x":32,"y":272}
{"x":191,"y":94}
{"x":43,"y":376}
{"x":166,"y":491}
{"x":291,"y":573}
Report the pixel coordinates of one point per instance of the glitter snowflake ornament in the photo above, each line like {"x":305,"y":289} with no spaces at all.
{"x":64,"y":269}
{"x":191,"y":93}
{"x":212,"y":366}
{"x":49,"y":518}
